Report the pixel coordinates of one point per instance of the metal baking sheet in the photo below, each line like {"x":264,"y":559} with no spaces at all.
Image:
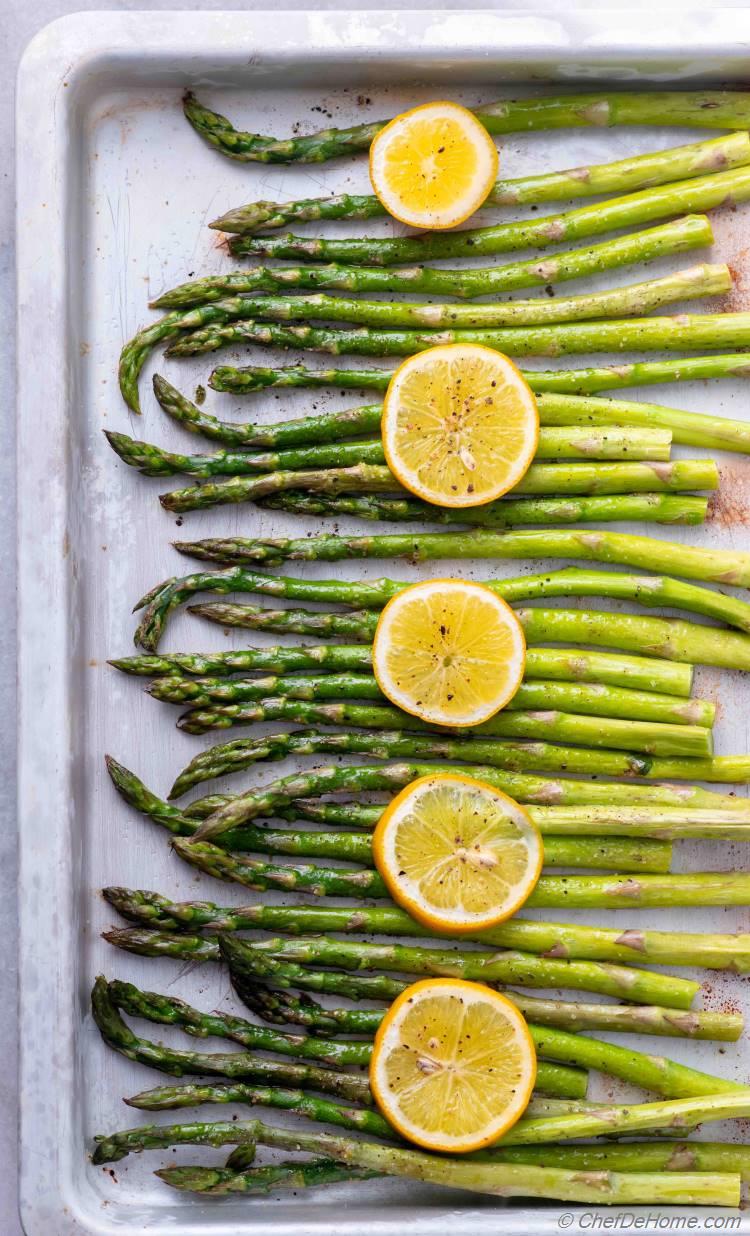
{"x":114,"y":194}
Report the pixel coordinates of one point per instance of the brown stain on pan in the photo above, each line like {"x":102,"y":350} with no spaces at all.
{"x":729,"y":506}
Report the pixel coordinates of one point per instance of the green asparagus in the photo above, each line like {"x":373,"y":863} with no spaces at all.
{"x":725,"y":109}
{"x":508,"y":513}
{"x":558,"y":442}
{"x":647,"y":590}
{"x":629,"y":210}
{"x":525,"y":970}
{"x":645,"y":553}
{"x":634,"y":300}
{"x":624,"y":175}
{"x":679,"y":236}
{"x":590,"y":381}
{"x":495,"y":1178}
{"x":553,"y":939}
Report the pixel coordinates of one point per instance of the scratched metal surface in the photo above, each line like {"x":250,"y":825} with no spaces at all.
{"x":145,"y":187}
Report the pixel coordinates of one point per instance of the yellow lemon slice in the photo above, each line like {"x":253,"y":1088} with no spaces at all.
{"x":449,"y":651}
{"x":433,"y":166}
{"x":453,"y":1065}
{"x":456,"y":853}
{"x":460,"y":424}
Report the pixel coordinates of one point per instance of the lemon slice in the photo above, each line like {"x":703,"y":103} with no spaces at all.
{"x":449,"y":651}
{"x":456,"y":853}
{"x":453,"y":1065}
{"x":460,"y":424}
{"x":433,"y":166}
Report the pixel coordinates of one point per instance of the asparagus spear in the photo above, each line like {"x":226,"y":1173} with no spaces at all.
{"x":629,"y":210}
{"x":624,"y":175}
{"x":660,"y":333}
{"x":647,"y":590}
{"x":496,"y":1178}
{"x":558,"y":442}
{"x":237,"y":1065}
{"x":664,"y":1077}
{"x":646,"y":553}
{"x":556,"y":407}
{"x":711,"y":109}
{"x":578,"y":892}
{"x":642,"y":742}
{"x":281,"y":1006}
{"x":152,"y":460}
{"x":634,"y":300}
{"x":508,"y":513}
{"x":558,"y":478}
{"x":524,"y":787}
{"x":589,"y":731}
{"x":293,"y":1174}
{"x":390,"y":744}
{"x":541,"y":478}
{"x":637,"y":299}
{"x":526,"y":970}
{"x":589,"y":381}
{"x":247,"y":970}
{"x":554,"y":939}
{"x":167,"y":1010}
{"x":690,"y":232}
{"x":660,"y":823}
{"x":293,"y":694}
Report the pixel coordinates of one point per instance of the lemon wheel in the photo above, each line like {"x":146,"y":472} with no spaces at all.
{"x":453,"y":1065}
{"x":449,"y":651}
{"x":433,"y":166}
{"x":457,"y":854}
{"x":460,"y":425}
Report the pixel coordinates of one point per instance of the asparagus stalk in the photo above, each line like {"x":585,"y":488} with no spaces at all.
{"x":558,"y":442}
{"x":288,"y":708}
{"x":577,"y":477}
{"x":624,"y":175}
{"x":540,"y":755}
{"x":660,"y":333}
{"x":508,"y":513}
{"x":525,"y":970}
{"x":559,"y":940}
{"x":710,"y":109}
{"x":555,"y":408}
{"x":167,"y":1010}
{"x":359,"y":625}
{"x":247,"y":971}
{"x":294,"y":693}
{"x":246,"y":380}
{"x":575,"y":891}
{"x":647,"y":590}
{"x":679,"y":236}
{"x":152,"y":460}
{"x":496,"y":1178}
{"x":634,"y":300}
{"x":522,"y":786}
{"x":293,"y":1174}
{"x":658,"y":822}
{"x":236,"y":1065}
{"x":629,"y":210}
{"x":282,"y":1007}
{"x":664,"y":1077}
{"x":645,"y":553}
